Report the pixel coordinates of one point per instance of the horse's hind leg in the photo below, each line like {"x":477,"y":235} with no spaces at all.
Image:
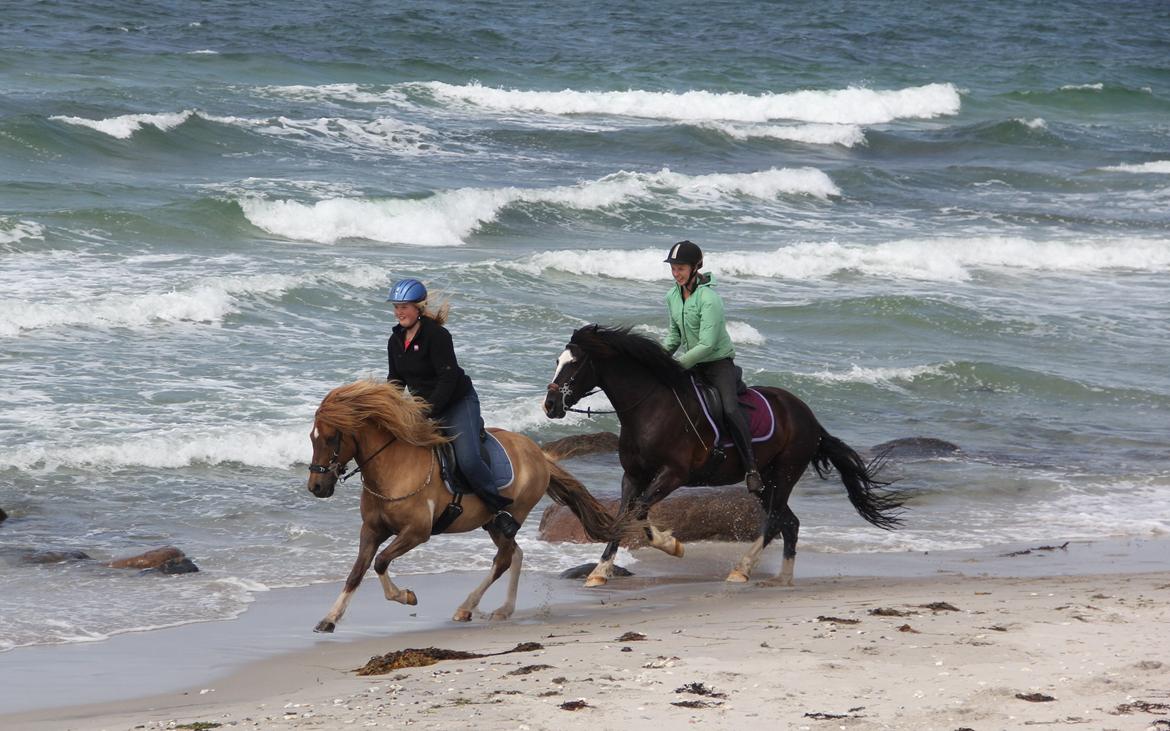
{"x":508,"y":557}
{"x":402,"y":543}
{"x":779,"y":519}
{"x":789,"y":528}
{"x":368,"y":544}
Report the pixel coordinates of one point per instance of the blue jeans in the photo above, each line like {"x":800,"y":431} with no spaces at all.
{"x":462,"y":421}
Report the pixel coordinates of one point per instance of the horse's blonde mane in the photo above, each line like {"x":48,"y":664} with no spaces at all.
{"x":350,"y":407}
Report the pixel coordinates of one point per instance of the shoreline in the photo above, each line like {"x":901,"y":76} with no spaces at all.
{"x":229,"y":670}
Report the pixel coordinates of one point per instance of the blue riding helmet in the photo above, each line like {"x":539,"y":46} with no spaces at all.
{"x":407,"y":291}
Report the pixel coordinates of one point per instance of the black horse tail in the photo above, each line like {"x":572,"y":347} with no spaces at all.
{"x":567,"y":490}
{"x":870,"y":496}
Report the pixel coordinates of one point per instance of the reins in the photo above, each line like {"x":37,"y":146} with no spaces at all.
{"x":366,"y":461}
{"x":694,"y":428}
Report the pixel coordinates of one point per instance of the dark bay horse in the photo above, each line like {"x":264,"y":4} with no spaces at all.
{"x":385,"y":432}
{"x":665,"y":443}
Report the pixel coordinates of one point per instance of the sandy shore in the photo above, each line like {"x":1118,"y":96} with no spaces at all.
{"x":946,"y":650}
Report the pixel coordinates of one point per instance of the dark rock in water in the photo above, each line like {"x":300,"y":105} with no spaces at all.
{"x":153,"y":559}
{"x":182,"y":565}
{"x":916,"y":447}
{"x":3,"y":515}
{"x":55,"y":556}
{"x":580,"y":572}
{"x":696,"y":514}
{"x":578,"y":444}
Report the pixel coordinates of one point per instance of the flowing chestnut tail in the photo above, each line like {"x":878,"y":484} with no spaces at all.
{"x":874,"y":502}
{"x":567,"y":490}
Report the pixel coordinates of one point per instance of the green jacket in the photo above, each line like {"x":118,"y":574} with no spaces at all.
{"x":697,"y":325}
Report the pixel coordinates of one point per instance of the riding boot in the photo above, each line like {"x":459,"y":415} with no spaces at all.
{"x":743,"y":443}
{"x":506,"y":524}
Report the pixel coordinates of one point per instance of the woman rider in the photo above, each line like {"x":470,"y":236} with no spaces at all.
{"x":421,"y":356}
{"x":697,"y":325}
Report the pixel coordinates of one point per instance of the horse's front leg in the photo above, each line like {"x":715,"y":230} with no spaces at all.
{"x":508,"y":556}
{"x":368,"y":543}
{"x":603,"y":571}
{"x":664,"y":483}
{"x":403,"y":542}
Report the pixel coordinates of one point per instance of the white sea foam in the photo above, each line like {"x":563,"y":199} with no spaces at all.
{"x":846,"y":135}
{"x":926,"y":259}
{"x":342,"y":133}
{"x":1083,"y":87}
{"x":124,"y":126}
{"x":13,"y":231}
{"x":840,"y":106}
{"x":1157,"y":166}
{"x":744,"y":334}
{"x":256,"y":445}
{"x":447,"y":218}
{"x":1037,"y":123}
{"x":879,"y":375}
{"x":205,"y":301}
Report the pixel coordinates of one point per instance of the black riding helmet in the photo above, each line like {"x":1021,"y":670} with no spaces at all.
{"x":685,"y":252}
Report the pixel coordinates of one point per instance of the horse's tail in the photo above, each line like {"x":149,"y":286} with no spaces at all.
{"x":567,"y":490}
{"x":877,"y":504}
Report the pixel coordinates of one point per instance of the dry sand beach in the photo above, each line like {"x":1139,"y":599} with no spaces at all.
{"x":970,"y":642}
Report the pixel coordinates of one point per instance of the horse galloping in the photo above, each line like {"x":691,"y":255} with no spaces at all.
{"x":666,"y":442}
{"x":385,"y":431}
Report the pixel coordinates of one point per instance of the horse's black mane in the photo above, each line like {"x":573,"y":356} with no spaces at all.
{"x":605,"y":343}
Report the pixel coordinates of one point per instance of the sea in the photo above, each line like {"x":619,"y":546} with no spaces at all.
{"x":942,"y":220}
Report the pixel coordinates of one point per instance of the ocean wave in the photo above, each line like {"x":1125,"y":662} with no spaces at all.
{"x":1157,"y":166}
{"x":953,"y":259}
{"x":13,"y":231}
{"x":254,"y":445}
{"x":123,"y":127}
{"x":839,"y":106}
{"x":341,"y":133}
{"x":447,"y":218}
{"x":846,"y":135}
{"x":1083,"y":87}
{"x":741,"y":333}
{"x":877,"y":376}
{"x":207,"y":301}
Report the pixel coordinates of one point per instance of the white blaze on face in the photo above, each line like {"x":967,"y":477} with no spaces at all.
{"x":565,"y":359}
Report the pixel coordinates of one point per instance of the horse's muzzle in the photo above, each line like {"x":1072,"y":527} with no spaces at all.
{"x":322,"y":484}
{"x":554,"y":402}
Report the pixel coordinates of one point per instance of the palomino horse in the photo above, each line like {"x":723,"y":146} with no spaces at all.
{"x":666,"y":443}
{"x":385,"y":432}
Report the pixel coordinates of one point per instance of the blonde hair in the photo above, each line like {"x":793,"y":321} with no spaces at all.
{"x":442,"y":310}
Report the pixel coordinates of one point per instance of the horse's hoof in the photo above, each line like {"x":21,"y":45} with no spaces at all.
{"x":411,"y":599}
{"x":325,"y":626}
{"x":593,"y":581}
{"x":499,"y":616}
{"x":678,"y":550}
{"x":777,"y":581}
{"x":737,"y":577}
{"x":462,"y":615}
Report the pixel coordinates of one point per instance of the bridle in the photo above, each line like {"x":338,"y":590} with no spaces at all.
{"x":335,"y":466}
{"x":566,"y":391}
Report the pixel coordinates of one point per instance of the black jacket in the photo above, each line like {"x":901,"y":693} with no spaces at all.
{"x":428,"y":368}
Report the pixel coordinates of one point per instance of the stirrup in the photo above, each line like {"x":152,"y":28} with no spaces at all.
{"x":506,"y":524}
{"x":755,"y":484}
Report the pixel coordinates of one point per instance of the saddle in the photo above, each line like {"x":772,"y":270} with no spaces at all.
{"x":495,"y":456}
{"x":756,"y":409}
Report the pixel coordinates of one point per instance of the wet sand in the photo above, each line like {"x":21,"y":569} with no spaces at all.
{"x":980,"y":640}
